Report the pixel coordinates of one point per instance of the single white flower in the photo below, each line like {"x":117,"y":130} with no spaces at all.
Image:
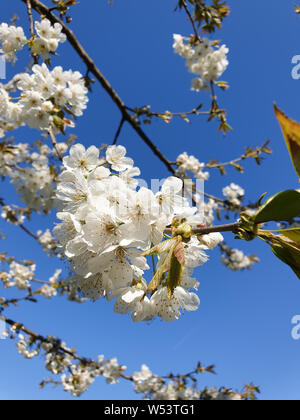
{"x":81,"y":158}
{"x":115,"y":156}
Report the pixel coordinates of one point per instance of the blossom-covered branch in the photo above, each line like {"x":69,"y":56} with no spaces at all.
{"x":78,"y":373}
{"x":92,"y":68}
{"x":122,"y":239}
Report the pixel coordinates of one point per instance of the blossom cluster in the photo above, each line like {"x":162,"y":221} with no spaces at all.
{"x":49,"y":37}
{"x":47,"y":241}
{"x":23,"y":347}
{"x":156,"y":388}
{"x":234,"y":194}
{"x":81,"y":377}
{"x":236,"y":260}
{"x":59,"y":359}
{"x":34,"y":184}
{"x":5,"y":127}
{"x":45,"y":97}
{"x":32,"y":174}
{"x":20,"y":275}
{"x":49,"y":290}
{"x":191,"y":164}
{"x":107,"y":222}
{"x":12,"y":39}
{"x":13,"y":214}
{"x":11,"y":156}
{"x":203,"y":58}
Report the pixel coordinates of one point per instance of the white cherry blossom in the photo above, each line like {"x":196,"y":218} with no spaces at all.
{"x":12,"y":40}
{"x":107,"y":223}
{"x":203,"y":59}
{"x":115,"y":155}
{"x":234,"y":194}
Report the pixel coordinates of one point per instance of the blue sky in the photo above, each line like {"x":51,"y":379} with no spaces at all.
{"x":244,"y":322}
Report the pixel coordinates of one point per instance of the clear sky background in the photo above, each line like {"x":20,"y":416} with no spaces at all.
{"x":243,"y":325}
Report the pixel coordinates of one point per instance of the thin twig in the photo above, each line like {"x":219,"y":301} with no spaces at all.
{"x":248,"y":155}
{"x":41,"y":282}
{"x":54,"y":143}
{"x":29,"y":11}
{"x":194,"y":111}
{"x":29,"y":232}
{"x":24,"y":228}
{"x":232,"y":227}
{"x":118,"y":131}
{"x":15,"y":301}
{"x":21,"y":327}
{"x":221,"y":165}
{"x":213,"y":92}
{"x":191,"y":19}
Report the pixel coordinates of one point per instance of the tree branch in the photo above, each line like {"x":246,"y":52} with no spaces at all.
{"x":14,"y":219}
{"x":21,"y":327}
{"x":29,"y":11}
{"x":38,"y":337}
{"x":54,"y":143}
{"x":29,"y":232}
{"x":232,"y":227}
{"x":118,"y":132}
{"x":6,"y":302}
{"x":191,"y":19}
{"x":250,"y":153}
{"x":92,"y":68}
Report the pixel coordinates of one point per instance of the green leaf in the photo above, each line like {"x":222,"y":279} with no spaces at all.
{"x":165,"y":266}
{"x":286,"y":248}
{"x":291,"y":133}
{"x":173,"y":264}
{"x":179,"y":252}
{"x":161,"y":248}
{"x":289,"y":255}
{"x":59,"y":123}
{"x":282,"y":206}
{"x":175,"y":275}
{"x":293,"y":234}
